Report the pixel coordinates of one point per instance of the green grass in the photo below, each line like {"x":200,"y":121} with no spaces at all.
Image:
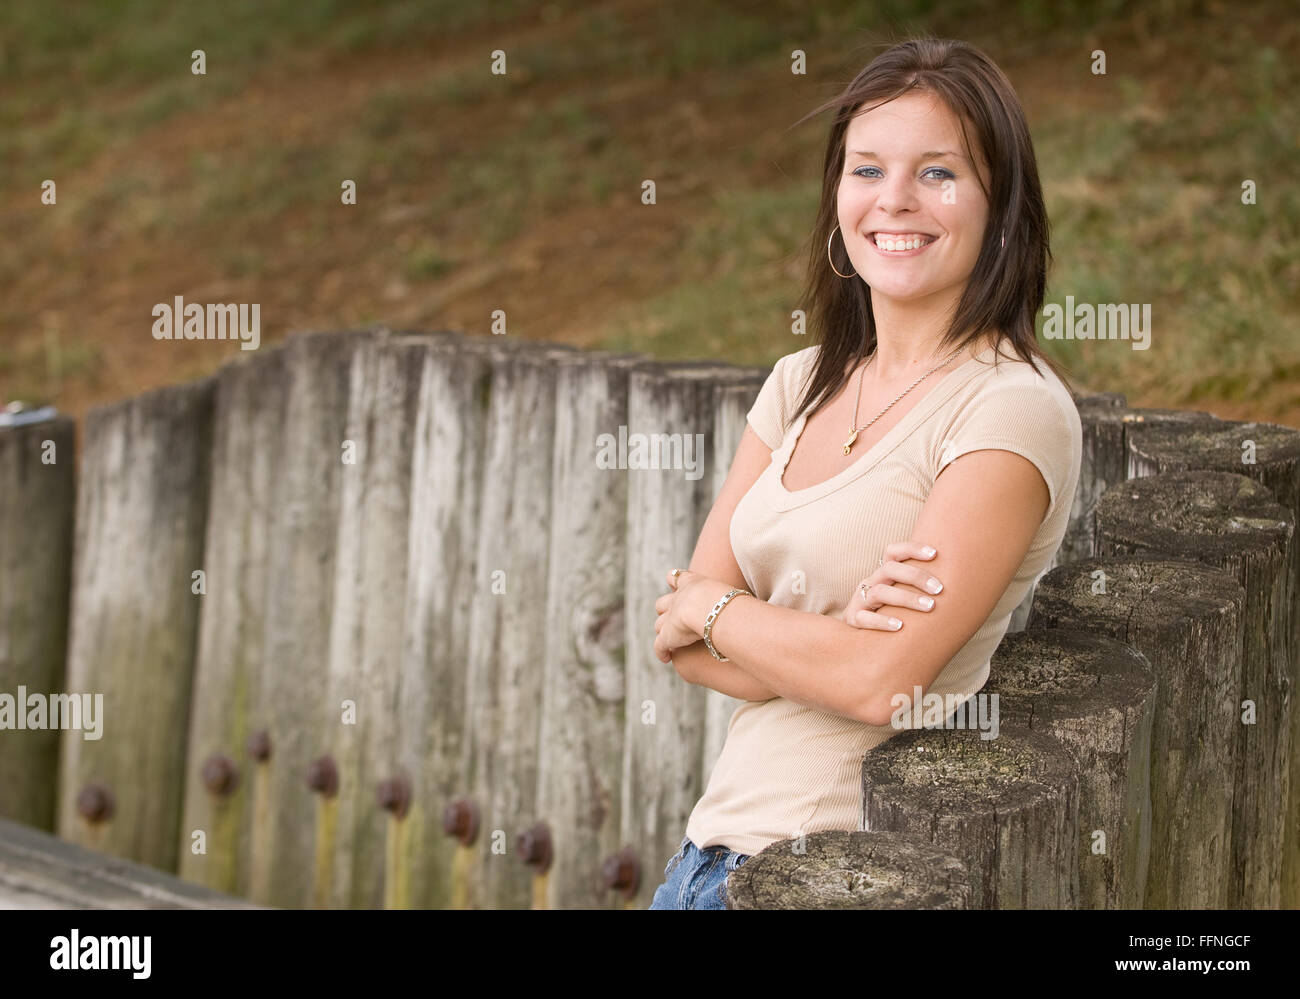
{"x":1142,"y":176}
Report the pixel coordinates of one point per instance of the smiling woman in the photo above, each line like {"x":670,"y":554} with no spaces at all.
{"x":907,"y":424}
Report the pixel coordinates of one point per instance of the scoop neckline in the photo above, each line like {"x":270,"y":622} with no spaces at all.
{"x":929,"y":402}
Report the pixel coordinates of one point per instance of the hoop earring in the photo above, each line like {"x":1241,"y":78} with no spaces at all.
{"x":828,"y":255}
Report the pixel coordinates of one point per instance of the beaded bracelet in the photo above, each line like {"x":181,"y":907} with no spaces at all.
{"x":708,"y":621}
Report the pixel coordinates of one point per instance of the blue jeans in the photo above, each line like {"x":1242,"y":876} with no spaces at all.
{"x":695,"y":878}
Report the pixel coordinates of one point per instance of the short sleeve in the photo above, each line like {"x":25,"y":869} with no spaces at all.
{"x":768,"y":414}
{"x":1029,"y":420}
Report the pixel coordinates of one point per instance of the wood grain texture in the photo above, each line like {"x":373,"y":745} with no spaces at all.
{"x":1187,"y":620}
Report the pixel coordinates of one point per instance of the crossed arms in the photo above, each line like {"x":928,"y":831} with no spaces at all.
{"x":981,"y":516}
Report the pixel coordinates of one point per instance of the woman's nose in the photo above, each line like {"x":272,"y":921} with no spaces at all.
{"x":896,"y":194}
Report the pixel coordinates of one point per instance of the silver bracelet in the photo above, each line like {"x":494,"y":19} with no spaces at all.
{"x":713,"y":614}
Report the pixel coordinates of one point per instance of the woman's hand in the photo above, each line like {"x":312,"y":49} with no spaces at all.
{"x":671,"y":630}
{"x":864,"y":612}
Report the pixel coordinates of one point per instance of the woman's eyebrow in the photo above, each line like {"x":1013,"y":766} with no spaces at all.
{"x":930,"y":155}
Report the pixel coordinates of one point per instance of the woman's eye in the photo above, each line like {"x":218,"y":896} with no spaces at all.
{"x":943,"y":174}
{"x":858,"y":172}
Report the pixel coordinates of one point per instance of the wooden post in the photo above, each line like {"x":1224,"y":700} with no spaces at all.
{"x":37,"y":503}
{"x":506,"y":662}
{"x":838,"y":869}
{"x":1108,"y":428}
{"x":1187,"y":620}
{"x":670,"y":411}
{"x":1230,"y":522}
{"x":41,"y":871}
{"x":580,"y":752}
{"x":1098,"y":696}
{"x":1270,"y":454}
{"x":141,"y":504}
{"x":301,"y":541}
{"x":368,"y":611}
{"x":248,"y":420}
{"x":1007,"y":806}
{"x":446,"y":484}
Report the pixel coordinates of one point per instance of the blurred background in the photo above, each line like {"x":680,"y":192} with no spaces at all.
{"x":521,"y":192}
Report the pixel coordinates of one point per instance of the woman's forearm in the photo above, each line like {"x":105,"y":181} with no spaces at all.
{"x":811,"y":659}
{"x":695,"y":664}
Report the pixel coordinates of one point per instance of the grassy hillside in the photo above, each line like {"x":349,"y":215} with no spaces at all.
{"x":521,"y":192}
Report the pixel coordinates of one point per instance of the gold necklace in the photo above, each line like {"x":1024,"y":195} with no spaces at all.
{"x":848,"y":444}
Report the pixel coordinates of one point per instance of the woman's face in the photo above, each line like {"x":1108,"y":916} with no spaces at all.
{"x":906,"y":174}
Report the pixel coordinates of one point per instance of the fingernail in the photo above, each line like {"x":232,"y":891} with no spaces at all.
{"x":927,"y":551}
{"x":895,"y":623}
{"x":933,"y":585}
{"x":925,"y":602}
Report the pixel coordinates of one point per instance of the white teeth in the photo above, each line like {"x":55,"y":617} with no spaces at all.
{"x":892,"y":243}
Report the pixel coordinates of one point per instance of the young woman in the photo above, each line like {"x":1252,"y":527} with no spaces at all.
{"x":900,"y":484}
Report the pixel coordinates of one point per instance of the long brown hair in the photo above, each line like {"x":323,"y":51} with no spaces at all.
{"x":1005,"y":290}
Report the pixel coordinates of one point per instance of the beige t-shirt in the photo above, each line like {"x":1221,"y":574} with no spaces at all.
{"x":786,"y":769}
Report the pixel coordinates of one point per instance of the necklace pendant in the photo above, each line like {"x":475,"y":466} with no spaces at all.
{"x":849,"y":443}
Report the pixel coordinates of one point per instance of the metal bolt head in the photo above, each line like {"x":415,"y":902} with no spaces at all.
{"x":95,"y":802}
{"x":534,"y":845}
{"x":219,"y":774}
{"x":460,"y":819}
{"x":395,"y":795}
{"x":323,"y":776}
{"x":259,"y":745}
{"x":622,"y":872}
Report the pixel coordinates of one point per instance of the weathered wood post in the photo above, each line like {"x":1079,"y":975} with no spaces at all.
{"x":1270,"y":454}
{"x":264,"y":641}
{"x":580,"y":753}
{"x":41,"y":871}
{"x":1231,"y":522}
{"x":37,"y":504}
{"x":248,"y":420}
{"x":507,"y":642}
{"x":136,"y":594}
{"x":1008,"y":806}
{"x":838,"y":869}
{"x":357,"y":723}
{"x":1108,"y":427}
{"x":446,"y":486}
{"x":1098,"y":696}
{"x":288,"y":692}
{"x":1187,"y":620}
{"x":731,"y":406}
{"x":670,"y":418}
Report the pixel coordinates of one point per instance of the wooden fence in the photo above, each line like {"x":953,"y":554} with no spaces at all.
{"x":371,"y":617}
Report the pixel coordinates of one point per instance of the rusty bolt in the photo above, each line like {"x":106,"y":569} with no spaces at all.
{"x":219,"y":774}
{"x":534,"y":845}
{"x":395,"y":796}
{"x":95,"y":802}
{"x":621,"y":872}
{"x":460,"y":819}
{"x":323,"y":776}
{"x":259,"y":745}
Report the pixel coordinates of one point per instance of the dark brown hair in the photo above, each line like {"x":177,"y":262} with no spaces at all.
{"x":1005,"y":290}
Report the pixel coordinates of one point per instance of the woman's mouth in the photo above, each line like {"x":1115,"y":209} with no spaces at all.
{"x":903,"y":244}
